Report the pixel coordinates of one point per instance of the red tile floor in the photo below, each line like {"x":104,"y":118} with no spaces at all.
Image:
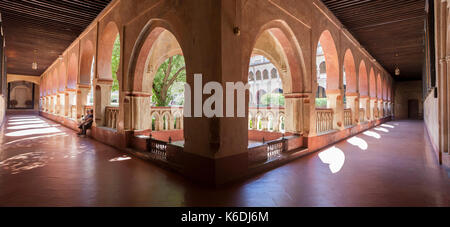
{"x":45,"y":164}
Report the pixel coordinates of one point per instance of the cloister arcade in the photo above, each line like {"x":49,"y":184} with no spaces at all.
{"x":313,"y":56}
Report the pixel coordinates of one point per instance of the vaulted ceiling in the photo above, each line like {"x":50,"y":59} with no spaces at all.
{"x":48,"y":26}
{"x":387,"y":28}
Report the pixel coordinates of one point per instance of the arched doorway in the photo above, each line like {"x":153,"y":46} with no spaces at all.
{"x":158,"y":76}
{"x":327,"y":61}
{"x":351,"y":97}
{"x":276,"y":59}
{"x":364,"y":103}
{"x":107,"y":107}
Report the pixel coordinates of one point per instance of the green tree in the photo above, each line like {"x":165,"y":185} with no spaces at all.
{"x":115,"y":60}
{"x":272,"y":99}
{"x":321,"y":102}
{"x":171,"y":71}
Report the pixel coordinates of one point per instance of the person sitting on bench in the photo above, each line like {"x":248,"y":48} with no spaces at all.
{"x":86,"y":123}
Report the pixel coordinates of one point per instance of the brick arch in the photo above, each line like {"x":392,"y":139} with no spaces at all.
{"x":86,"y":61}
{"x":106,"y":45}
{"x":363,"y":80}
{"x":327,"y":42}
{"x":55,"y":81}
{"x":276,"y":41}
{"x":72,"y":71}
{"x":62,"y":77}
{"x":379,"y":86}
{"x":372,"y":84}
{"x":156,"y":43}
{"x":350,"y":72}
{"x":389,"y":94}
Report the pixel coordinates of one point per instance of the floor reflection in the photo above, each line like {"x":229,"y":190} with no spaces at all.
{"x":24,"y":162}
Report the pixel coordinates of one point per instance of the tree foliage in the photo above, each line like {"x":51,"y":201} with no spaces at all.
{"x":115,"y":60}
{"x":273,"y":99}
{"x":165,"y":84}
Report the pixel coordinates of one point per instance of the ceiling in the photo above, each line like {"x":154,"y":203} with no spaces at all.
{"x":386,"y":28}
{"x":48,"y":26}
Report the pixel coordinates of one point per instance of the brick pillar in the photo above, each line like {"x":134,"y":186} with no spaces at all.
{"x":353,"y":104}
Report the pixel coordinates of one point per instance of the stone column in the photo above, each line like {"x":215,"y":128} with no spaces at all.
{"x":67,"y":104}
{"x":353,"y":103}
{"x":137,"y":109}
{"x":373,"y":104}
{"x":336,"y":103}
{"x":294,"y":112}
{"x":365,"y":104}
{"x":82,"y":93}
{"x":62,"y":104}
{"x":102,"y":99}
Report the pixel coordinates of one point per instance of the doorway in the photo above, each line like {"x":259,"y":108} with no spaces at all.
{"x":413,"y":109}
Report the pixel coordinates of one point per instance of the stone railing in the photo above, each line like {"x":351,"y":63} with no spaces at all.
{"x":348,"y":117}
{"x":111,"y":117}
{"x":267,"y":151}
{"x":362,"y":115}
{"x":262,"y":116}
{"x":164,"y":151}
{"x":167,"y":118}
{"x":73,"y":112}
{"x":324,"y":120}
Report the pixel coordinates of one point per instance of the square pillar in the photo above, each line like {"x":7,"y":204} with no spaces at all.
{"x":67,"y":104}
{"x":373,"y":106}
{"x":353,"y":103}
{"x":335,"y":102}
{"x":82,"y":93}
{"x":297,"y":113}
{"x":102,"y":99}
{"x":365,"y":104}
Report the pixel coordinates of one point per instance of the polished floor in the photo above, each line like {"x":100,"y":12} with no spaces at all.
{"x":45,"y":164}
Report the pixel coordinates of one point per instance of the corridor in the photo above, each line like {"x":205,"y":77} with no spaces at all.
{"x":45,"y":164}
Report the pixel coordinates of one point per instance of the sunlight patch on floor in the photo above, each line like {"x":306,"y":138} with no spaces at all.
{"x":33,"y":132}
{"x":120,"y":159}
{"x":334,"y":157}
{"x":372,"y":134}
{"x":387,"y":126}
{"x":35,"y":137}
{"x":381,"y":129}
{"x":356,"y":141}
{"x":24,"y":162}
{"x":27,"y":122}
{"x":30,"y":126}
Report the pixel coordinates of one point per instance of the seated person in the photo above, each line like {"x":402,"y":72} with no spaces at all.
{"x":86,"y":123}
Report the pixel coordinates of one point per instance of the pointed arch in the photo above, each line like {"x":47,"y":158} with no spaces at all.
{"x":372,"y":84}
{"x":350,"y":72}
{"x":327,"y":42}
{"x":86,"y":61}
{"x":363,"y":80}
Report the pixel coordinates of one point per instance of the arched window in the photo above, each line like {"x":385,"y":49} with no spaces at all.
{"x":274,"y":73}
{"x":322,"y":68}
{"x":270,"y":122}
{"x":251,"y":76}
{"x":281,"y":126}
{"x":259,"y":122}
{"x":265,"y":74}
{"x":115,"y":60}
{"x":258,"y":75}
{"x":90,"y":97}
